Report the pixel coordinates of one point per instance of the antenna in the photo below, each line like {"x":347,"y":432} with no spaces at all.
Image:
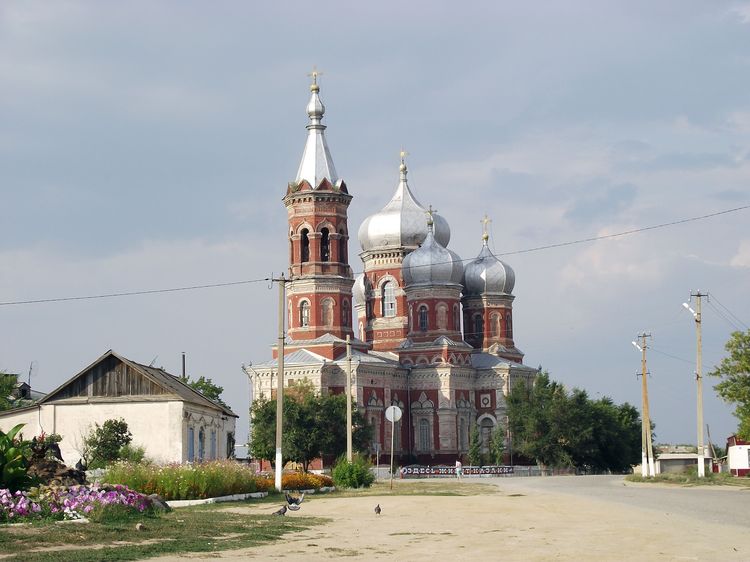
{"x":153,"y":361}
{"x":33,"y":369}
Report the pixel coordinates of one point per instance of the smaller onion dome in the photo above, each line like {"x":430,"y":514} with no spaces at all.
{"x":432,"y":263}
{"x":359,"y":290}
{"x":487,"y":274}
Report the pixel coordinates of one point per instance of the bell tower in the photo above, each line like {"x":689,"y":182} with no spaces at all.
{"x":320,"y":291}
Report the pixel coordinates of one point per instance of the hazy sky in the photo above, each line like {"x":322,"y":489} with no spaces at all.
{"x":147,"y":145}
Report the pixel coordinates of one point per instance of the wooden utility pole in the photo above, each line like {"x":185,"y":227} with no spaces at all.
{"x":648,"y":467}
{"x":349,"y":453}
{"x":699,"y":382}
{"x":280,"y":381}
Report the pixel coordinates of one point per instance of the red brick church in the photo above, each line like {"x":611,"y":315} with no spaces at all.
{"x":430,"y":332}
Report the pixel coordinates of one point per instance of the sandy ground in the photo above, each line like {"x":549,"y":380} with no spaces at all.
{"x":512,"y":524}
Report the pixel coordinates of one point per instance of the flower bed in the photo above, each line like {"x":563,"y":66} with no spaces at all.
{"x":76,"y":502}
{"x":304,"y":481}
{"x":189,"y":481}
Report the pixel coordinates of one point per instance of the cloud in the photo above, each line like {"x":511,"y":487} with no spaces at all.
{"x":597,"y":202}
{"x":742,"y":257}
{"x":741,"y":12}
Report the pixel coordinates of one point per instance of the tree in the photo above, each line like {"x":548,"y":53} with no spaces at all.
{"x":314,"y":426}
{"x":734,"y":370}
{"x":7,"y":386}
{"x":497,"y":444}
{"x":208,"y":388}
{"x":475,"y":447}
{"x":104,"y":444}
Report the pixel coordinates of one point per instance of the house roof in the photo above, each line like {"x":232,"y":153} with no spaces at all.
{"x":158,"y":376}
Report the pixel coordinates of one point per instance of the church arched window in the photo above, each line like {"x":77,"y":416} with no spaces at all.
{"x":442,"y":317}
{"x":304,"y":313}
{"x":508,"y":326}
{"x":423,"y":320}
{"x":327,"y":310}
{"x":495,"y":325}
{"x":389,"y":299}
{"x":304,"y":245}
{"x":456,"y":319}
{"x":478,"y":327}
{"x":425,"y":441}
{"x":343,"y":258}
{"x":345,"y":312}
{"x":325,"y":245}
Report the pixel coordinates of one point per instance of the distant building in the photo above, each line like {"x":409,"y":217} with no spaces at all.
{"x":738,"y":456}
{"x":173,"y":422}
{"x":433,"y":336}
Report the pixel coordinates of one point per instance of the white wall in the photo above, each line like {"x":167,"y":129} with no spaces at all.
{"x":738,"y":457}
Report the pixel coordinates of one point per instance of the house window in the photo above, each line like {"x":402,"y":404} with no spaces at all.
{"x":389,"y":299}
{"x":213,"y":443}
{"x":305,"y":245}
{"x":423,"y":323}
{"x":201,"y":444}
{"x":191,"y":444}
{"x":327,"y":309}
{"x":425,"y":442}
{"x":304,"y":314}
{"x":325,"y":245}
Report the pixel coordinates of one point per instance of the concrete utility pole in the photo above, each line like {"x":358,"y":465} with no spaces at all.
{"x":280,"y":380}
{"x":648,"y":467}
{"x":699,"y":378}
{"x":349,"y":454}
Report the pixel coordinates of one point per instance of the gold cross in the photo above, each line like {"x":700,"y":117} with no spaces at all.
{"x":404,"y":154}
{"x":314,"y":74}
{"x":485,"y":221}
{"x":431,"y":212}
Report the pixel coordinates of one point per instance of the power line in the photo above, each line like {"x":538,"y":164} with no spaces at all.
{"x":250,"y":281}
{"x":714,"y":299}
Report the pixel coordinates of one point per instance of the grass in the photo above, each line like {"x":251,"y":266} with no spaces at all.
{"x":196,"y":529}
{"x":690,"y":478}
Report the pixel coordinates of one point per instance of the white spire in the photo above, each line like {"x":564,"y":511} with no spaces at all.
{"x":316,"y":161}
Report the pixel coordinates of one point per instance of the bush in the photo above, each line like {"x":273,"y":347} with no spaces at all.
{"x":304,"y":481}
{"x":104,"y":443}
{"x":355,"y":474}
{"x":188,"y":482}
{"x":128,"y":453}
{"x":14,"y":460}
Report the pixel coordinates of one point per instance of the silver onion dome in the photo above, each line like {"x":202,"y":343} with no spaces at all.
{"x":488,"y":275}
{"x":401,"y":223}
{"x":359,"y":290}
{"x":432,"y":263}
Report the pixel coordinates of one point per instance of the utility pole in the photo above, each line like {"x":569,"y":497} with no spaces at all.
{"x":349,"y":454}
{"x":280,"y":380}
{"x":648,"y":467}
{"x":698,"y":378}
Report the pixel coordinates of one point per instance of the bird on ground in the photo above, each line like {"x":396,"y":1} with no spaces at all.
{"x":377,"y":509}
{"x":294,"y":502}
{"x":281,"y":511}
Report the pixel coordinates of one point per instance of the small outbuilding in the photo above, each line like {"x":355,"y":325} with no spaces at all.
{"x":170,"y":420}
{"x":738,"y":456}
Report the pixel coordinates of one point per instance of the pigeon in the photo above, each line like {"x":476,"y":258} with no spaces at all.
{"x":294,"y":502}
{"x":377,"y":509}
{"x":281,"y":511}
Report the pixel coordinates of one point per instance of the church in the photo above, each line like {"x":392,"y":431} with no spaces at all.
{"x":429,"y":332}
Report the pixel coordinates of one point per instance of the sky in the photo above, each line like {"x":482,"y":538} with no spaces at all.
{"x":147,"y":145}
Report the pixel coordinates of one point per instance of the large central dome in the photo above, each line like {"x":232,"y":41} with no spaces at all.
{"x":401,"y":223}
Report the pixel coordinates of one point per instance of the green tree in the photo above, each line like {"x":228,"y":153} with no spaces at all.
{"x":104,"y":443}
{"x":475,"y":447}
{"x":497,"y":445}
{"x":314,"y":426}
{"x":7,"y":386}
{"x":734,"y":370}
{"x":208,"y":388}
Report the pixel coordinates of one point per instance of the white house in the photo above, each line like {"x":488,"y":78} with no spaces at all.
{"x":173,"y":422}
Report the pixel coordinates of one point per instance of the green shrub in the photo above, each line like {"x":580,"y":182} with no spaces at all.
{"x":188,"y":482}
{"x":355,"y":474}
{"x":129,"y":453}
{"x":104,"y":443}
{"x":14,"y":460}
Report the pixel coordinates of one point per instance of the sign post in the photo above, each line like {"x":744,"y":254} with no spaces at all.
{"x":392,"y":414}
